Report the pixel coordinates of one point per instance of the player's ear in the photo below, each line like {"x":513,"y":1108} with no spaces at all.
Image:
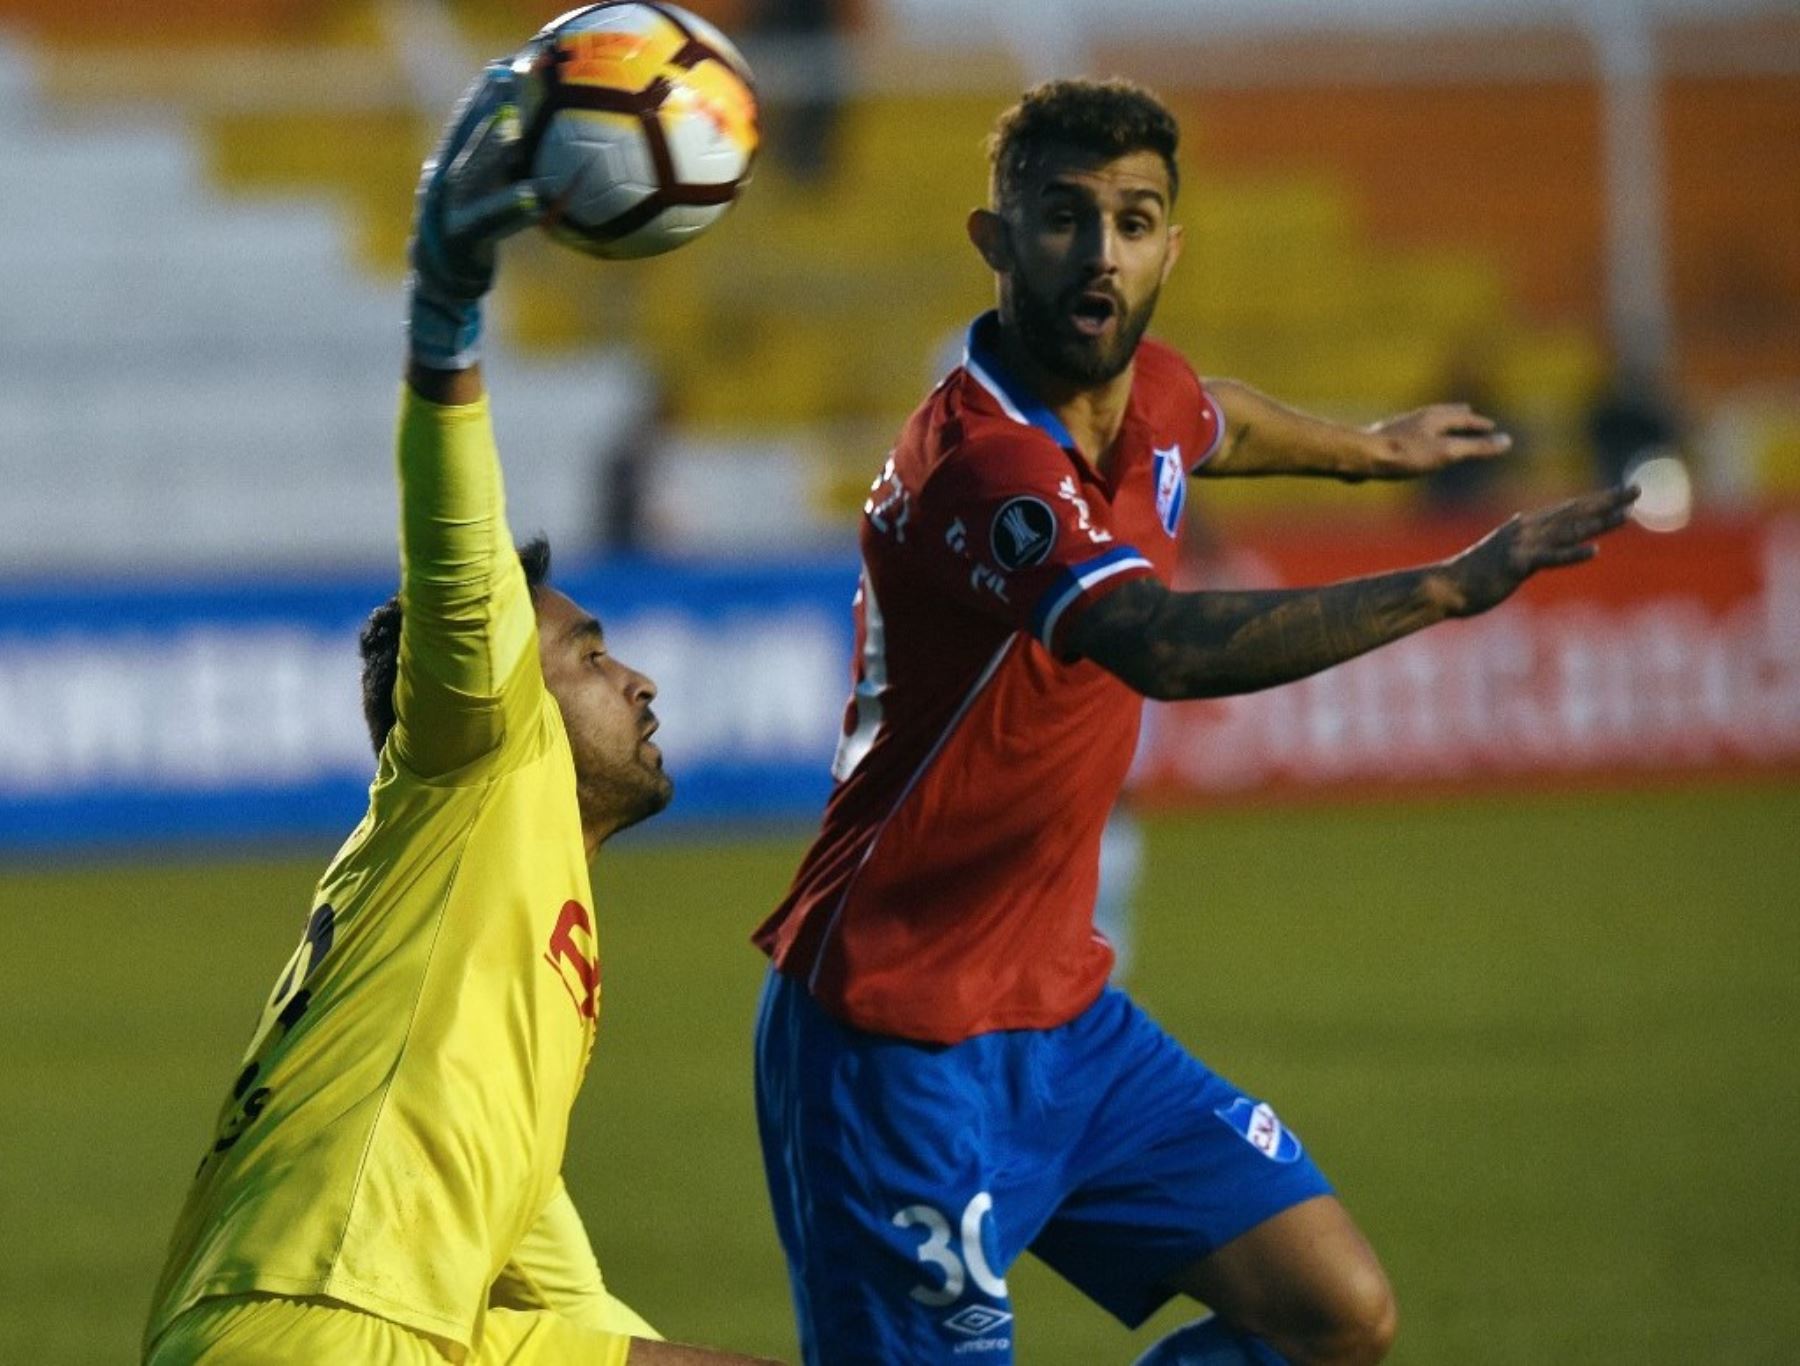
{"x":1174,"y":252}
{"x":987,"y":230}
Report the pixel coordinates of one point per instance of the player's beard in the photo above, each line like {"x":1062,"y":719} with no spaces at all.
{"x":1044,"y":328}
{"x":616,"y":794}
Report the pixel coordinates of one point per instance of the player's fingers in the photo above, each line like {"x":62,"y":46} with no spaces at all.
{"x":1610,"y":515}
{"x":486,"y":202}
{"x":1589,"y":507}
{"x":1569,"y":529}
{"x":1621,"y":497}
{"x":496,"y":215}
{"x":474,"y":108}
{"x":1615,"y":516}
{"x":471,"y":107}
{"x":483,"y":153}
{"x":1586,"y":527}
{"x":486,"y":127}
{"x":1460,"y":417}
{"x":1557,"y":557}
{"x":1465,"y":446}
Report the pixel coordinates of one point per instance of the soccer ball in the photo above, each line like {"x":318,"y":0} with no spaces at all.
{"x":640,"y":119}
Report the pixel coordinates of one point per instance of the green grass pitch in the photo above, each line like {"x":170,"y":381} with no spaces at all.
{"x":1548,"y":1048}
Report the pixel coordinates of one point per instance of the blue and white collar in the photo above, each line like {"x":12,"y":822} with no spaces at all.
{"x":981,"y":358}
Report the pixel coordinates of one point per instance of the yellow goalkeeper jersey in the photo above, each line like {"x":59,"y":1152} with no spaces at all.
{"x":398,"y":1122}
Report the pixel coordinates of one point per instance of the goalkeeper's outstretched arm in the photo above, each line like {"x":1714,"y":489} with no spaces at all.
{"x":468,"y":673}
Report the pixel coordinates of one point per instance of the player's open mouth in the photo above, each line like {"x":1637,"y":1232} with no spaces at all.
{"x":1093,"y":313}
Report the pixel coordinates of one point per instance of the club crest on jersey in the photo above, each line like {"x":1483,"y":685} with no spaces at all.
{"x":1023,"y":533}
{"x":1171,"y":488}
{"x":1254,"y":1122}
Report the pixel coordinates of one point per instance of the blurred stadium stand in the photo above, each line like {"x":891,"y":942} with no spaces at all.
{"x":206,"y":258}
{"x":204,"y":227}
{"x":201,"y":368}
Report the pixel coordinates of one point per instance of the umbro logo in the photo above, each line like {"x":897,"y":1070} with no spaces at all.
{"x":1023,"y":533}
{"x":977,"y":1320}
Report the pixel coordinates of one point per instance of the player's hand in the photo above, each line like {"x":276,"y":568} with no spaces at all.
{"x":469,"y":198}
{"x":1431,"y":438}
{"x":1486,"y":574}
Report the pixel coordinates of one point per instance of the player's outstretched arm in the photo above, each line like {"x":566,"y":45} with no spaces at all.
{"x":467,"y":622}
{"x":1173,"y":646}
{"x":1266,"y":437}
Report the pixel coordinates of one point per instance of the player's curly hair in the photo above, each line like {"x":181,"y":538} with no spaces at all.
{"x":380,"y":645}
{"x":1110,"y":118}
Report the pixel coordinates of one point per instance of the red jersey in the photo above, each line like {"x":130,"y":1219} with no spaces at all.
{"x":951,"y":888}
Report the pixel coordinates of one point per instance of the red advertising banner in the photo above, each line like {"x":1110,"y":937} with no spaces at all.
{"x":1669,"y":655}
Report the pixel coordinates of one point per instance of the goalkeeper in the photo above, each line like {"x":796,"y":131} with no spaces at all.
{"x":383,"y":1184}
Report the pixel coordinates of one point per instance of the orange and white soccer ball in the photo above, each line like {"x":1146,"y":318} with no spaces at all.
{"x":640,"y":120}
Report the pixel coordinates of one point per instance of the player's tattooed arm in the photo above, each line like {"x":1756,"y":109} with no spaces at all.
{"x":1266,"y":437}
{"x":1172,"y":646}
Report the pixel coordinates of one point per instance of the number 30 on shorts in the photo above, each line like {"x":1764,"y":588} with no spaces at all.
{"x":937,"y":1251}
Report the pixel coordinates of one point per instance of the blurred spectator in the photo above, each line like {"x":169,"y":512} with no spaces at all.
{"x":628,"y":463}
{"x":796,"y":47}
{"x":1630,"y":420}
{"x":1208,"y":561}
{"x":1471,"y":485}
{"x":1121,"y":880}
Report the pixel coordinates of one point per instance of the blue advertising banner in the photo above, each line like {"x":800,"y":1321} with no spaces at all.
{"x":144,"y":713}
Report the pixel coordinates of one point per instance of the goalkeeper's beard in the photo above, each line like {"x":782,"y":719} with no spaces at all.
{"x":616,"y":793}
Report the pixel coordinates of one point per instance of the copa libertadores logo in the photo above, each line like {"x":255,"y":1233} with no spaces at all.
{"x":1023,"y":534}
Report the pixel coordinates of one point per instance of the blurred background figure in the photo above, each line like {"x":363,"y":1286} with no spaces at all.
{"x":1474,"y":486}
{"x":1630,"y":419}
{"x":629,"y":464}
{"x":1121,"y":883}
{"x":799,"y":50}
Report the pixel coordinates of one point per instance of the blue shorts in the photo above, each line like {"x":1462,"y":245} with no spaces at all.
{"x":907,"y":1177}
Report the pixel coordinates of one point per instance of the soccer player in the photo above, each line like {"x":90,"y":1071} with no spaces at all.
{"x":944,"y":1078}
{"x":384,"y":1182}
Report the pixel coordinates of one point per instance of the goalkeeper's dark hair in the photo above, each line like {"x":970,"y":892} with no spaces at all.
{"x":1109,"y":118}
{"x":380,"y":645}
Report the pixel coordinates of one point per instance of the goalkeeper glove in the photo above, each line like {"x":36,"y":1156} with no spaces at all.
{"x":468,"y":200}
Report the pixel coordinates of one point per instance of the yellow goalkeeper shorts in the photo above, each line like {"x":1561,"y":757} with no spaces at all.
{"x":269,"y":1330}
